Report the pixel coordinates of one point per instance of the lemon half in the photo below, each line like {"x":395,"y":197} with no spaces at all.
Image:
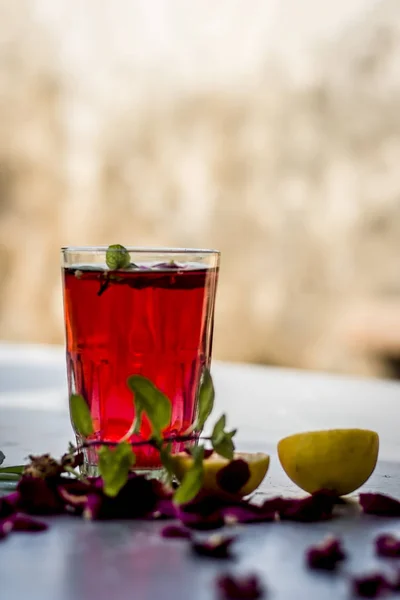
{"x":340,"y":460}
{"x":258,"y":465}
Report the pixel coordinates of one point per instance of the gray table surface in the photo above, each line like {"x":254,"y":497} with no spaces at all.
{"x":76,"y":560}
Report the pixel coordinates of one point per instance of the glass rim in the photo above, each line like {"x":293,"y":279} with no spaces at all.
{"x":139,"y":250}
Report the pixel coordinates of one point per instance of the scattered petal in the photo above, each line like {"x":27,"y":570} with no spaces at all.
{"x":39,"y":496}
{"x":380,"y":504}
{"x":25,"y":523}
{"x":234,"y":476}
{"x":245,"y":512}
{"x":370,"y":586}
{"x":164,"y":509}
{"x":394,"y":581}
{"x":216,"y":546}
{"x":246,"y":587}
{"x":203,"y":513}
{"x":8,"y":504}
{"x":138,"y":498}
{"x":6,"y":526}
{"x":176,"y":531}
{"x":318,"y":507}
{"x":43,"y":466}
{"x":387,"y":545}
{"x":325,"y":555}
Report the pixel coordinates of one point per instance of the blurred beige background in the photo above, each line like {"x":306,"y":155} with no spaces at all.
{"x":268,"y":129}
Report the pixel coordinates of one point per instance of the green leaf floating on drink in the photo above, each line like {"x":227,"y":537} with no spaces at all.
{"x":80,"y":415}
{"x":117,"y":257}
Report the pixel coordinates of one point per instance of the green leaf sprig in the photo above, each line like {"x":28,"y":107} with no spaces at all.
{"x":115,"y":460}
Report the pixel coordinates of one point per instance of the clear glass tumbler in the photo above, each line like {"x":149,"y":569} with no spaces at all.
{"x":154,"y":318}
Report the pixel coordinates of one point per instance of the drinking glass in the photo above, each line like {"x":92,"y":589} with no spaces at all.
{"x":153,"y":318}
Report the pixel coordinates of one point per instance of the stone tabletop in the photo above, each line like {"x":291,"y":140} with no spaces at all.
{"x":78,"y":560}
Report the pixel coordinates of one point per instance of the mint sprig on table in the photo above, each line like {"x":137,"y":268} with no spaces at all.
{"x":116,"y":459}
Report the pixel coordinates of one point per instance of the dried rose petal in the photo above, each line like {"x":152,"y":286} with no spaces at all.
{"x":6,"y":526}
{"x":234,"y":476}
{"x":203,"y":523}
{"x":8,"y":504}
{"x":39,"y":496}
{"x":318,"y":507}
{"x":246,"y":512}
{"x":43,"y":466}
{"x":325,"y":555}
{"x":203,"y":513}
{"x":370,"y":586}
{"x":394,"y":581}
{"x":380,"y":504}
{"x":138,"y":498}
{"x":216,"y":546}
{"x":387,"y":545}
{"x":25,"y":523}
{"x":232,"y":587}
{"x":176,"y":531}
{"x":164,"y":509}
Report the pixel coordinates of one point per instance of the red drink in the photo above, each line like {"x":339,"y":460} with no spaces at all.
{"x":155,"y":322}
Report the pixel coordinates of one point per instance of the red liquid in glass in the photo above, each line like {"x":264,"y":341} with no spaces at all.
{"x":153,"y":322}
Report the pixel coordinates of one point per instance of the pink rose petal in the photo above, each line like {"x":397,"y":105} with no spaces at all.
{"x":325,"y":555}
{"x":387,"y":545}
{"x":176,"y":531}
{"x":380,"y":504}
{"x":216,"y":546}
{"x":370,"y":586}
{"x":231,"y":587}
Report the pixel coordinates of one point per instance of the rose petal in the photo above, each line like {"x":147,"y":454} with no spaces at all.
{"x":138,"y":498}
{"x":247,"y":513}
{"x":234,"y":476}
{"x":8,"y":504}
{"x":25,"y":523}
{"x":370,"y":586}
{"x":6,"y":526}
{"x":394,"y":581}
{"x":387,"y":545}
{"x":325,"y":555}
{"x":164,"y":509}
{"x":232,"y":587}
{"x":380,"y":504}
{"x":203,"y":513}
{"x":176,"y":531}
{"x":39,"y":496}
{"x":318,"y":507}
{"x":216,"y":546}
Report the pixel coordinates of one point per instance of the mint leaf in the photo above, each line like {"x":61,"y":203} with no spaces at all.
{"x":219,"y":426}
{"x":117,"y":257}
{"x":221,"y":440}
{"x":206,"y":400}
{"x":167,"y":462}
{"x":80,"y":415}
{"x":152,"y":401}
{"x":193,"y":479}
{"x":114,"y":467}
